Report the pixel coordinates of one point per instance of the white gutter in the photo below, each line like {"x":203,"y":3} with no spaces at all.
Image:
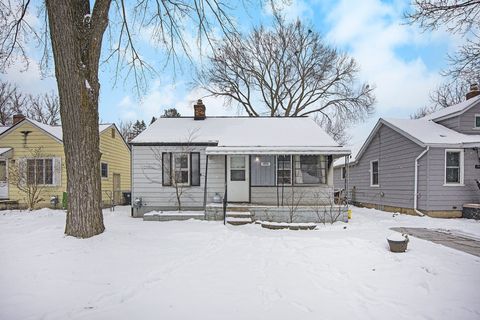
{"x":415,"y":194}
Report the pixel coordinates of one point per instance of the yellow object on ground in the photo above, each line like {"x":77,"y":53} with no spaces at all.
{"x":349,"y":214}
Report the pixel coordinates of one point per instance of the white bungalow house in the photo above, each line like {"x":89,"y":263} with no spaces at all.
{"x":192,"y":163}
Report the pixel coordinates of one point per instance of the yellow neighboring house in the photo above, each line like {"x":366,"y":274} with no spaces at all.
{"x":38,"y":148}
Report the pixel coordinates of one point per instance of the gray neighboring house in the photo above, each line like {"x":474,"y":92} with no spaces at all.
{"x":259,"y":163}
{"x":424,"y":166}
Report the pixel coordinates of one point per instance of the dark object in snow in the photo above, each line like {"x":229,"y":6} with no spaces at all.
{"x":397,"y":242}
{"x":471,"y":211}
{"x":127,"y":198}
{"x":345,"y":227}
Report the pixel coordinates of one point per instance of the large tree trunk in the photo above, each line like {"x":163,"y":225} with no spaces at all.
{"x":76,"y":41}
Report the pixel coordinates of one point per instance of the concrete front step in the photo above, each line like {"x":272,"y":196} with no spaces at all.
{"x":238,"y":221}
{"x":238,"y":214}
{"x":237,"y":209}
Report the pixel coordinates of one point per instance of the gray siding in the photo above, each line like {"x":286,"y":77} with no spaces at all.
{"x":396,"y":155}
{"x":441,"y":197}
{"x":303,"y":195}
{"x":262,"y":175}
{"x":464,"y":123}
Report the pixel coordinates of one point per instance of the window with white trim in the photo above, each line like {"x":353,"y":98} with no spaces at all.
{"x":374,"y":173}
{"x":453,"y":167}
{"x":284,"y":170}
{"x":310,"y":169}
{"x":104,"y":169}
{"x":477,"y":121}
{"x":40,"y":171}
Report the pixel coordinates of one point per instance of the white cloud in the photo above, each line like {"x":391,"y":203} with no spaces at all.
{"x":372,"y":33}
{"x":161,"y":97}
{"x":30,"y":79}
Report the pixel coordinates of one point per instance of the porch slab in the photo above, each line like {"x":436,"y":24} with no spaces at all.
{"x":301,"y":214}
{"x":173,"y":216}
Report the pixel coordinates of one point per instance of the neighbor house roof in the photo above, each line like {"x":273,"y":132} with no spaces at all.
{"x":243,"y":135}
{"x":425,"y":133}
{"x":453,"y":110}
{"x":54,"y":131}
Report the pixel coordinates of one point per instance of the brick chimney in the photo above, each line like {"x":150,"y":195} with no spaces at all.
{"x":473,"y":91}
{"x":17,"y":118}
{"x":199,"y":110}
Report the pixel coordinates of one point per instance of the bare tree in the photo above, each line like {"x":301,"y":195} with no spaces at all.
{"x":294,"y":199}
{"x":287,"y":71}
{"x":456,"y":16}
{"x":126,"y":129}
{"x":325,"y":207}
{"x":6,"y":110}
{"x":23,"y":176}
{"x":44,"y":108}
{"x":75,"y":30}
{"x":445,"y":95}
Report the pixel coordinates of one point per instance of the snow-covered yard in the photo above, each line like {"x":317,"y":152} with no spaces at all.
{"x":205,"y":270}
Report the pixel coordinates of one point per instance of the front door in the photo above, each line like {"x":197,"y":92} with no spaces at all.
{"x":238,"y":182}
{"x":117,"y":191}
{"x":3,"y":180}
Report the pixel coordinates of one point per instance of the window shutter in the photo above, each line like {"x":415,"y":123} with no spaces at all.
{"x":22,"y":171}
{"x":166,"y":168}
{"x":195,"y":168}
{"x":57,"y":171}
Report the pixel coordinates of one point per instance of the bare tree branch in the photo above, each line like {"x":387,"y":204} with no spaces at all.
{"x":288,"y":71}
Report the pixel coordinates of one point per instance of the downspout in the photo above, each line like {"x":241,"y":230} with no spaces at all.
{"x":205,"y":185}
{"x":415,"y":194}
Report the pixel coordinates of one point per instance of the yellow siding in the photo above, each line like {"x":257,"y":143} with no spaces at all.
{"x":50,"y":148}
{"x":114,"y":152}
{"x":117,"y":155}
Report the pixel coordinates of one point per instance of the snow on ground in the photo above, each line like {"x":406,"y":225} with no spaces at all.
{"x":205,"y":270}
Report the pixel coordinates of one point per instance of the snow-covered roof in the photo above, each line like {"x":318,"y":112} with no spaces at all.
{"x":3,"y":129}
{"x":54,"y":131}
{"x":353,"y":157}
{"x":453,"y":110}
{"x":3,"y":151}
{"x":244,"y":132}
{"x":431,"y":133}
{"x":425,"y":133}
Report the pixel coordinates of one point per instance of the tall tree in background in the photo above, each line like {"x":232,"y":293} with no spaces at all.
{"x":138,"y":128}
{"x":171,"y":113}
{"x":75,"y":31}
{"x":288,"y":71}
{"x":457,"y":17}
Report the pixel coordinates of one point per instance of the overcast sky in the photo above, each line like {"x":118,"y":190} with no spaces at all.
{"x":399,"y":60}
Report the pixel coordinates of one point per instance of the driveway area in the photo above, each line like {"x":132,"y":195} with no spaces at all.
{"x":447,"y":238}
